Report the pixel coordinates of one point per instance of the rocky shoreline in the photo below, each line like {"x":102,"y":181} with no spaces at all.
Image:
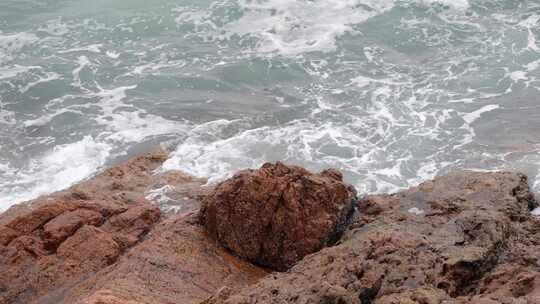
{"x":275,"y":235}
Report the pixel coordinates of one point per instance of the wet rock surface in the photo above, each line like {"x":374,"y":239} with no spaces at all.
{"x":276,"y":215}
{"x":463,"y":238}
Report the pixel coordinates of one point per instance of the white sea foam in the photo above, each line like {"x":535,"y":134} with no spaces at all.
{"x":159,"y":195}
{"x":44,"y":119}
{"x":471,"y":117}
{"x":113,"y":54}
{"x":162,"y":197}
{"x":290,"y":27}
{"x":218,"y":159}
{"x":416,"y":211}
{"x":7,"y":117}
{"x":396,"y":136}
{"x":83,"y":62}
{"x":457,"y":4}
{"x":130,"y":126}
{"x":155,"y":67}
{"x":48,"y":76}
{"x":93,"y":48}
{"x":532,"y":66}
{"x":532,"y":22}
{"x":55,"y":28}
{"x":11,"y":44}
{"x":15,"y":70}
{"x":359,"y":148}
{"x":363,"y":81}
{"x":56,"y":170}
{"x":69,"y":163}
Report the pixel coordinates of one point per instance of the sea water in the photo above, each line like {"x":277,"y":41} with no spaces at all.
{"x":391,"y":92}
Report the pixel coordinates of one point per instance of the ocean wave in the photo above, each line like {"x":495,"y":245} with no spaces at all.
{"x":56,"y":170}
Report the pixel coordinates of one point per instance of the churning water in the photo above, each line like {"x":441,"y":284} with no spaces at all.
{"x":392,"y":92}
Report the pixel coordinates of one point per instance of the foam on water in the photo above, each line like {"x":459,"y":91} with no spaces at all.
{"x":359,"y":148}
{"x":393,"y":118}
{"x":46,"y":77}
{"x":458,"y":4}
{"x":10,"y":44}
{"x":70,"y":163}
{"x":14,"y":70}
{"x":7,"y":117}
{"x":471,"y":117}
{"x":531,"y":23}
{"x":130,"y":126}
{"x":290,"y":27}
{"x":391,"y":92}
{"x":56,"y":170}
{"x":295,"y":27}
{"x":65,"y":164}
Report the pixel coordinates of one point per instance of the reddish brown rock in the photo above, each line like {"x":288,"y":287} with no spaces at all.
{"x":42,"y":258}
{"x":90,"y":245}
{"x":464,"y":238}
{"x":65,"y":225}
{"x":7,"y":235}
{"x":38,"y":216}
{"x":278,"y":214}
{"x":470,"y":239}
{"x":128,"y":227}
{"x":51,"y":244}
{"x":178,"y":263}
{"x":102,"y":242}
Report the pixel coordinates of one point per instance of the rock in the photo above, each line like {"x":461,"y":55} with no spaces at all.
{"x":178,"y":263}
{"x":52,"y":243}
{"x":7,"y":235}
{"x":38,"y":217}
{"x":90,"y":245}
{"x":128,"y":227}
{"x":474,"y":242}
{"x":423,"y":295}
{"x":53,"y":249}
{"x":102,"y":242}
{"x":278,"y":214}
{"x":463,"y":238}
{"x":108,"y":297}
{"x":65,"y":225}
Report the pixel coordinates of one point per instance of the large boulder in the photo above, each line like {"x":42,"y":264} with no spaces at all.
{"x":278,"y":214}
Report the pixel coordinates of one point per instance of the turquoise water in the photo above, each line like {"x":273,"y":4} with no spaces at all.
{"x":391,"y":92}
